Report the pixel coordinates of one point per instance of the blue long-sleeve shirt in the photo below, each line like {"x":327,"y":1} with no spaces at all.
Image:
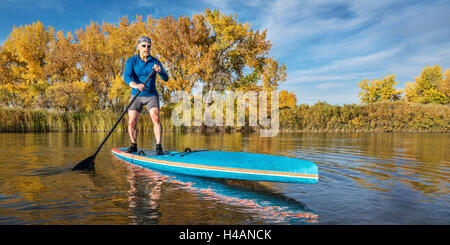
{"x":137,"y":70}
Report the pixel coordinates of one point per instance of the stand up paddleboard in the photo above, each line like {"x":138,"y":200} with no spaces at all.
{"x":223,"y":164}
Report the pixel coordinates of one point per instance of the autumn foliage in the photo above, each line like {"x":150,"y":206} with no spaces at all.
{"x":83,"y":71}
{"x":430,"y":87}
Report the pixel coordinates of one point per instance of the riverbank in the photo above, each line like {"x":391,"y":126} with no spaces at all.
{"x":320,"y":117}
{"x":376,"y":117}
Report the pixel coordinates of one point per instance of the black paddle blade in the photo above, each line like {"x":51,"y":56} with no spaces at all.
{"x":86,"y":164}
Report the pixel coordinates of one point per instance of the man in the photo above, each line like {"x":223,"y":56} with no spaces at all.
{"x":136,"y":71}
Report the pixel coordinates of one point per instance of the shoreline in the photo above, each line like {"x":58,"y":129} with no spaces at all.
{"x":251,"y":131}
{"x":321,"y":117}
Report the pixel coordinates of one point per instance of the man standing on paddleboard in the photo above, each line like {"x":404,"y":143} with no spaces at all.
{"x":137,"y":69}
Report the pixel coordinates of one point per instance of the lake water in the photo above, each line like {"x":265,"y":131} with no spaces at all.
{"x":364,"y":178}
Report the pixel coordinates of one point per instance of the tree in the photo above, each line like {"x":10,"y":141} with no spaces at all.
{"x":233,"y":48}
{"x":273,"y":74}
{"x":287,"y":99}
{"x":72,"y":96}
{"x":215,"y":52}
{"x":23,"y":61}
{"x":180,"y":46}
{"x":95,"y":62}
{"x":379,"y":90}
{"x":62,"y":59}
{"x":429,"y":87}
{"x":444,"y":86}
{"x":66,"y":90}
{"x":9,"y":80}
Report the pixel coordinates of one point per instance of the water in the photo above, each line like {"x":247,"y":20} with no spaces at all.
{"x":364,"y":178}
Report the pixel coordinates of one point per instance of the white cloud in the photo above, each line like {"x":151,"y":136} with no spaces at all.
{"x":351,"y":64}
{"x":298,"y":78}
{"x":328,"y":85}
{"x":339,"y":95}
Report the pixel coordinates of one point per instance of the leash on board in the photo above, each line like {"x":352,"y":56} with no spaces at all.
{"x":185,"y":152}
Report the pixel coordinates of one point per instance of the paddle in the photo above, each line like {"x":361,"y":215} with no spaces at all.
{"x":89,"y":162}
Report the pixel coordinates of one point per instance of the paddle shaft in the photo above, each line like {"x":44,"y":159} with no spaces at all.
{"x":123,"y":114}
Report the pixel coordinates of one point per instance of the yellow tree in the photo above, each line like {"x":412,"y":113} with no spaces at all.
{"x":62,"y":59}
{"x":273,"y":74}
{"x":95,"y":62}
{"x":11,"y":83}
{"x":233,"y":48}
{"x":429,"y":87}
{"x":180,"y":45}
{"x":379,"y":90}
{"x":444,"y":86}
{"x":67,"y":90}
{"x":26,"y":49}
{"x":287,"y":99}
{"x":72,"y":96}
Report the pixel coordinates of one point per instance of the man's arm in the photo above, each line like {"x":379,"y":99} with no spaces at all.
{"x":128,"y":76}
{"x":162,"y":73}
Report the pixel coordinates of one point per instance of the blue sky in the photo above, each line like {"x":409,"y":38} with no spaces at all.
{"x":327,"y":46}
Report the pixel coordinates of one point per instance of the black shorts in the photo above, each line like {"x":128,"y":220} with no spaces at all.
{"x":150,"y":102}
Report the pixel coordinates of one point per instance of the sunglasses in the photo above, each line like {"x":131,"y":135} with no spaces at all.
{"x":145,"y":46}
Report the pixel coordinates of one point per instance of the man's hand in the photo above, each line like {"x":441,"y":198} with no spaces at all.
{"x":139,"y":86}
{"x":157,"y":68}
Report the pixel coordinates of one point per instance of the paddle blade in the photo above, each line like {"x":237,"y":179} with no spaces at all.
{"x":86,"y":164}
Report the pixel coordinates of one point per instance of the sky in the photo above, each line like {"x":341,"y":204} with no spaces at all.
{"x":328,"y":47}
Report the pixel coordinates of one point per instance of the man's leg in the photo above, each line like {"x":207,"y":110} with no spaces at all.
{"x":133,"y":117}
{"x":157,"y":127}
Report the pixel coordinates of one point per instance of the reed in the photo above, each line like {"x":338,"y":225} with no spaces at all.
{"x":41,"y":120}
{"x":379,"y":117}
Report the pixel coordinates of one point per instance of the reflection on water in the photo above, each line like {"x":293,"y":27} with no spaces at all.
{"x":364,"y":178}
{"x":253,"y":199}
{"x":376,"y":161}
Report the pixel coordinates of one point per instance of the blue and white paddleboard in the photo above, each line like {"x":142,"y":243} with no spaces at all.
{"x":224,"y":164}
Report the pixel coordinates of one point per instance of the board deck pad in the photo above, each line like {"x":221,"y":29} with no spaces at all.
{"x":224,"y":164}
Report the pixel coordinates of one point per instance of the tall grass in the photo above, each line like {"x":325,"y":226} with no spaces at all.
{"x":40,"y":120}
{"x":378,"y":117}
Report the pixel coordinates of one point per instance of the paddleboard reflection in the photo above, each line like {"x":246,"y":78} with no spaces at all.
{"x":251,"y":197}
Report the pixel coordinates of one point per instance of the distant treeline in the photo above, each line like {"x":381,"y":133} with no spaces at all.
{"x":374,"y":117}
{"x":431,"y":86}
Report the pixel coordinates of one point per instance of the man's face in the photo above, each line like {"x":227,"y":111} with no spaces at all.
{"x":144,"y":48}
